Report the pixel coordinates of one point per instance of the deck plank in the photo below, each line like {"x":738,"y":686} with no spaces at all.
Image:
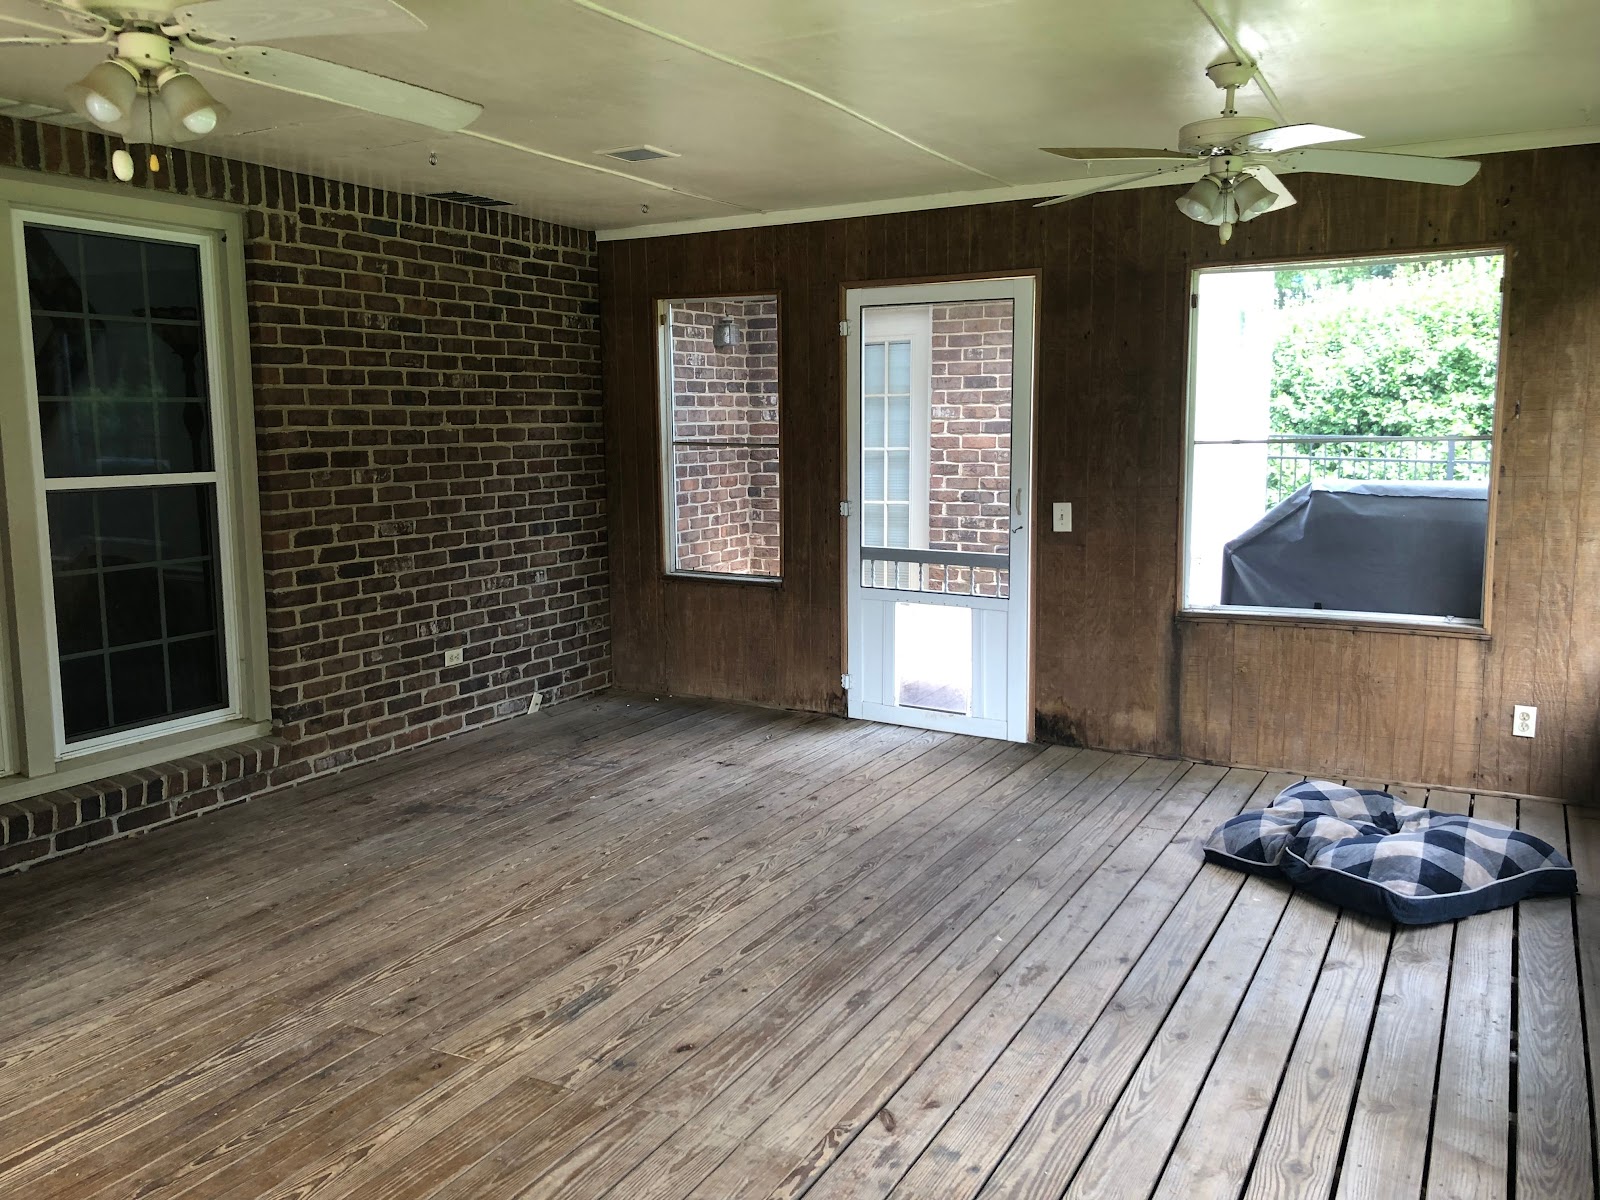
{"x":1554,"y":1152}
{"x":1469,"y":1151}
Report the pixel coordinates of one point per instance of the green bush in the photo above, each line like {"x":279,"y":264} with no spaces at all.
{"x":1400,"y":349}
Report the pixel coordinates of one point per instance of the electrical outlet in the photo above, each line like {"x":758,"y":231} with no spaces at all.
{"x":454,"y":658}
{"x":1061,"y":517}
{"x":534,"y":702}
{"x":1524,"y":720}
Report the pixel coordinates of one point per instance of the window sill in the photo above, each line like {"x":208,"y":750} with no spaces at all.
{"x":92,"y":768}
{"x":1362,"y":622}
{"x":770,"y":581}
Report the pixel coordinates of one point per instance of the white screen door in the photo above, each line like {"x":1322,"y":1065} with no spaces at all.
{"x":940,"y":388}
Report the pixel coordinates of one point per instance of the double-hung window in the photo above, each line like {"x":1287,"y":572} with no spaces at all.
{"x":131,"y":629}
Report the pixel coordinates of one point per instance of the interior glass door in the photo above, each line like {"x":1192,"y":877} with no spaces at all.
{"x":940,"y":385}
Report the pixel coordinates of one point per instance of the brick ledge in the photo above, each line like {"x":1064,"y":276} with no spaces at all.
{"x":54,"y":823}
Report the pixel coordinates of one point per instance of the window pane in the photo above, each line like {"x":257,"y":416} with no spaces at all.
{"x":60,"y":355}
{"x":900,"y":367}
{"x":872,"y":427}
{"x":724,"y":427}
{"x":899,"y":421}
{"x":136,"y":587}
{"x":872,"y":476}
{"x":873,"y":376}
{"x":55,"y":269}
{"x":178,"y":361}
{"x":113,"y":275}
{"x":899,"y":474}
{"x":84,"y":704}
{"x":172,"y":274}
{"x":120,"y":352}
{"x":872,"y":525}
{"x":124,"y":392}
{"x":899,"y":525}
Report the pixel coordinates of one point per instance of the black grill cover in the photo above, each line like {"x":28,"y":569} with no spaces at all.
{"x":1372,"y":546}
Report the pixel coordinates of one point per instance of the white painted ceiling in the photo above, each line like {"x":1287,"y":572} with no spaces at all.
{"x":780,"y":105}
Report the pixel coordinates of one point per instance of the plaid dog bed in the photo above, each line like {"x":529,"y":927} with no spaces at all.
{"x":1368,"y":851}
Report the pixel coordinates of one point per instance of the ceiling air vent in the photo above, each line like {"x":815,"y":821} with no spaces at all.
{"x":638,"y":154}
{"x":468,"y":198}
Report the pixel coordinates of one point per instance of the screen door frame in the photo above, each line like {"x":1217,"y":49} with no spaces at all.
{"x":1002,"y":628}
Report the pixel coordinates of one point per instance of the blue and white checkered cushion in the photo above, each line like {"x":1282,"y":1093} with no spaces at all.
{"x":1368,"y":851}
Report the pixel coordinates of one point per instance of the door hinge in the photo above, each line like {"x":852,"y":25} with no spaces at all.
{"x":844,"y":328}
{"x":844,"y":508}
{"x":844,"y":682}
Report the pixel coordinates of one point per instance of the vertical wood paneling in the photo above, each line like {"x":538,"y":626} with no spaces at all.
{"x":1112,"y":666}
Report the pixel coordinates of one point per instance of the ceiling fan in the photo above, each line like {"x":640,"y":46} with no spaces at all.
{"x":1235,"y":161}
{"x":144,"y":92}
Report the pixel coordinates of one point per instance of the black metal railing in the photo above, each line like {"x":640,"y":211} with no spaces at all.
{"x":1296,"y":459}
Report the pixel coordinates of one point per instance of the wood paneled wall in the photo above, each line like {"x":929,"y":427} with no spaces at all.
{"x":1114,"y":666}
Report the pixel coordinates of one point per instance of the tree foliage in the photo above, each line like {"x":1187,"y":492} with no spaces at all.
{"x":1403,"y":349}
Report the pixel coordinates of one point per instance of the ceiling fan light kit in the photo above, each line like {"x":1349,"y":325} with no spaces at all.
{"x":143,"y":93}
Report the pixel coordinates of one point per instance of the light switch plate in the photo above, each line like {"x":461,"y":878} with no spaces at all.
{"x":1061,"y":517}
{"x":1524,"y":720}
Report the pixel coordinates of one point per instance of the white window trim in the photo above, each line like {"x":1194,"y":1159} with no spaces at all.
{"x":40,"y":759}
{"x":665,"y":444}
{"x":1317,"y":617}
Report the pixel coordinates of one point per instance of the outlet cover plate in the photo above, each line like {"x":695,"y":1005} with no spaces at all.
{"x":454,"y":658}
{"x":1524,"y":720}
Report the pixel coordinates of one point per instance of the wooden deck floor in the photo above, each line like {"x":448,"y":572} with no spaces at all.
{"x":635,"y":949}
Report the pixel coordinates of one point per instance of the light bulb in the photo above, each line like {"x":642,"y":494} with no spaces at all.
{"x":100,"y":109}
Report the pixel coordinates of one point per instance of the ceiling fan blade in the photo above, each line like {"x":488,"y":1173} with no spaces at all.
{"x":1374,"y":164}
{"x":1129,"y":166}
{"x":1101,"y":153}
{"x":316,"y":77}
{"x":63,"y":40}
{"x":1290,"y":137}
{"x":85,"y":21}
{"x":1177,"y":174}
{"x":243,"y":21}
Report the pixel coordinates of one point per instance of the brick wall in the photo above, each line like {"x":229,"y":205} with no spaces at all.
{"x":727,"y":496}
{"x":427,"y":406}
{"x":969,"y":435}
{"x":969,"y":427}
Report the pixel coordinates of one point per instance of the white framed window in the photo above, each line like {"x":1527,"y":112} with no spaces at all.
{"x":720,"y":452}
{"x":1341,"y":439}
{"x":895,"y":399}
{"x":134,"y":626}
